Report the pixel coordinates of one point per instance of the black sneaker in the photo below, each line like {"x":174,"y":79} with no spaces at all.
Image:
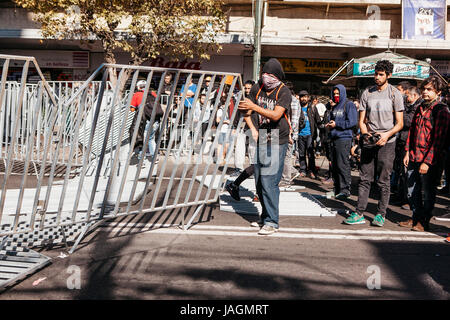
{"x":342,"y":196}
{"x":233,"y":190}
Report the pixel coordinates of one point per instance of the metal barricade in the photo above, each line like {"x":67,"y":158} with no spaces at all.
{"x":112,"y":180}
{"x":62,"y":91}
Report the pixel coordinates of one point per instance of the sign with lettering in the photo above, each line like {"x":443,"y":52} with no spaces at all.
{"x":424,"y":19}
{"x":441,"y":66}
{"x":310,"y":66}
{"x":56,"y":59}
{"x":400,"y":70}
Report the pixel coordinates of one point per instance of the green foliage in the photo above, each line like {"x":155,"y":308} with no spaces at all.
{"x":144,"y":28}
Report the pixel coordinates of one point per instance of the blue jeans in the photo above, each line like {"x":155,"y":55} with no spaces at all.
{"x":151,"y":141}
{"x":268,"y":170}
{"x":421,"y":192}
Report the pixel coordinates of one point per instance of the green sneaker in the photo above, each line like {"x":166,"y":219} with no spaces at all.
{"x":355,"y":219}
{"x":378,"y":220}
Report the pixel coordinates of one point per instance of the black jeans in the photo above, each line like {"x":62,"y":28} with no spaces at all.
{"x":379,"y":161}
{"x":399,"y":172}
{"x":341,"y":169}
{"x":306,"y":149}
{"x":422,"y":192}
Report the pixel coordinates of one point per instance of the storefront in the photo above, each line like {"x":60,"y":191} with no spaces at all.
{"x":55,"y":65}
{"x":308,"y":74}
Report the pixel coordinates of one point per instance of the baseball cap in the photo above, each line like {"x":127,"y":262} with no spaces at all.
{"x":303,"y":93}
{"x":141,"y":84}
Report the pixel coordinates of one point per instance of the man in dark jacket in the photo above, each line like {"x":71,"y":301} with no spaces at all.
{"x":307,"y":136}
{"x":144,"y":124}
{"x":343,"y":118}
{"x":271,"y":100}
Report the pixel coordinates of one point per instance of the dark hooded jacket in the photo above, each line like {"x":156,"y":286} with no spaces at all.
{"x":344,"y":115}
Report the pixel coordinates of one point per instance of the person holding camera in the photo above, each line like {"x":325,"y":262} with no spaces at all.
{"x":380,"y":118}
{"x":343,"y":118}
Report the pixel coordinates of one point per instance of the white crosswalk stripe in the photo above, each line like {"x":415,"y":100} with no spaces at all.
{"x":299,"y":233}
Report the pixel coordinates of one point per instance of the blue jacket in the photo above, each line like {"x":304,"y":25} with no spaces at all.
{"x":344,"y":115}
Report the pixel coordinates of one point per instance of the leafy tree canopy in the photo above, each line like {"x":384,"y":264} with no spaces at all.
{"x":144,"y":28}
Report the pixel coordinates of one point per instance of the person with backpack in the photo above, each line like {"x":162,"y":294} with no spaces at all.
{"x":271,"y":100}
{"x":380,"y":118}
{"x":343,"y":118}
{"x":426,"y":143}
{"x":144,"y":126}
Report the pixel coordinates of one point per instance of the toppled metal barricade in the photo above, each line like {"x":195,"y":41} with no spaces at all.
{"x":85,"y":149}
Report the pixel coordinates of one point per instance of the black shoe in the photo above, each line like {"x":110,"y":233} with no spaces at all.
{"x":233,"y":191}
{"x":342,"y":196}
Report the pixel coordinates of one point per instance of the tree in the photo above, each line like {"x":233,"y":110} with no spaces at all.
{"x":143,"y":28}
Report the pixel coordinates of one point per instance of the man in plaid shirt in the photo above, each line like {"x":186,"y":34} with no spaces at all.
{"x":424,"y":149}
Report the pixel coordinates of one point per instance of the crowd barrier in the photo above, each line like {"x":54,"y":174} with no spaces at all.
{"x":85,"y":167}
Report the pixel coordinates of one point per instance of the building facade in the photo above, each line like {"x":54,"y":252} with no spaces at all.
{"x":312,"y":39}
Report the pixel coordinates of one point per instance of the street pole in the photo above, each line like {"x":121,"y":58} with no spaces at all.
{"x":257,"y":39}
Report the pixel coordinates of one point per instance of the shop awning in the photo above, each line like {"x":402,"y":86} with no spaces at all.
{"x":404,"y":67}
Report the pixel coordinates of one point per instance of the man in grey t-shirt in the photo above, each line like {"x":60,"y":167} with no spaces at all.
{"x":380,"y":116}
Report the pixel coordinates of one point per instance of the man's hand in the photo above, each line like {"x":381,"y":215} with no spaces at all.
{"x":255,"y":134}
{"x":406,"y":159}
{"x":331,"y":124}
{"x":384,"y":136}
{"x":246,"y":106}
{"x":423,"y":169}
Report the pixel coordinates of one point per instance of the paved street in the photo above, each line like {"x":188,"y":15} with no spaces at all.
{"x":222,"y":257}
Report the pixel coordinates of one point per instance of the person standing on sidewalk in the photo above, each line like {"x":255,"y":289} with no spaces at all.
{"x":380,"y":118}
{"x":307,"y":136}
{"x":413,"y":100}
{"x":426,"y":143}
{"x":343,"y":118}
{"x":289,"y":171}
{"x":271,"y":100}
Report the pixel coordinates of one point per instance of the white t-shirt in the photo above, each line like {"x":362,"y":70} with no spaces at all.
{"x":380,"y":107}
{"x":219,"y":114}
{"x":321,"y":109}
{"x":198,"y":112}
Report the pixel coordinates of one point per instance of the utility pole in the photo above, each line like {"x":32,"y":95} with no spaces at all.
{"x":257,"y":39}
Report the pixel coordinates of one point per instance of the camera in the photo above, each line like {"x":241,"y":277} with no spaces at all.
{"x":369,"y":141}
